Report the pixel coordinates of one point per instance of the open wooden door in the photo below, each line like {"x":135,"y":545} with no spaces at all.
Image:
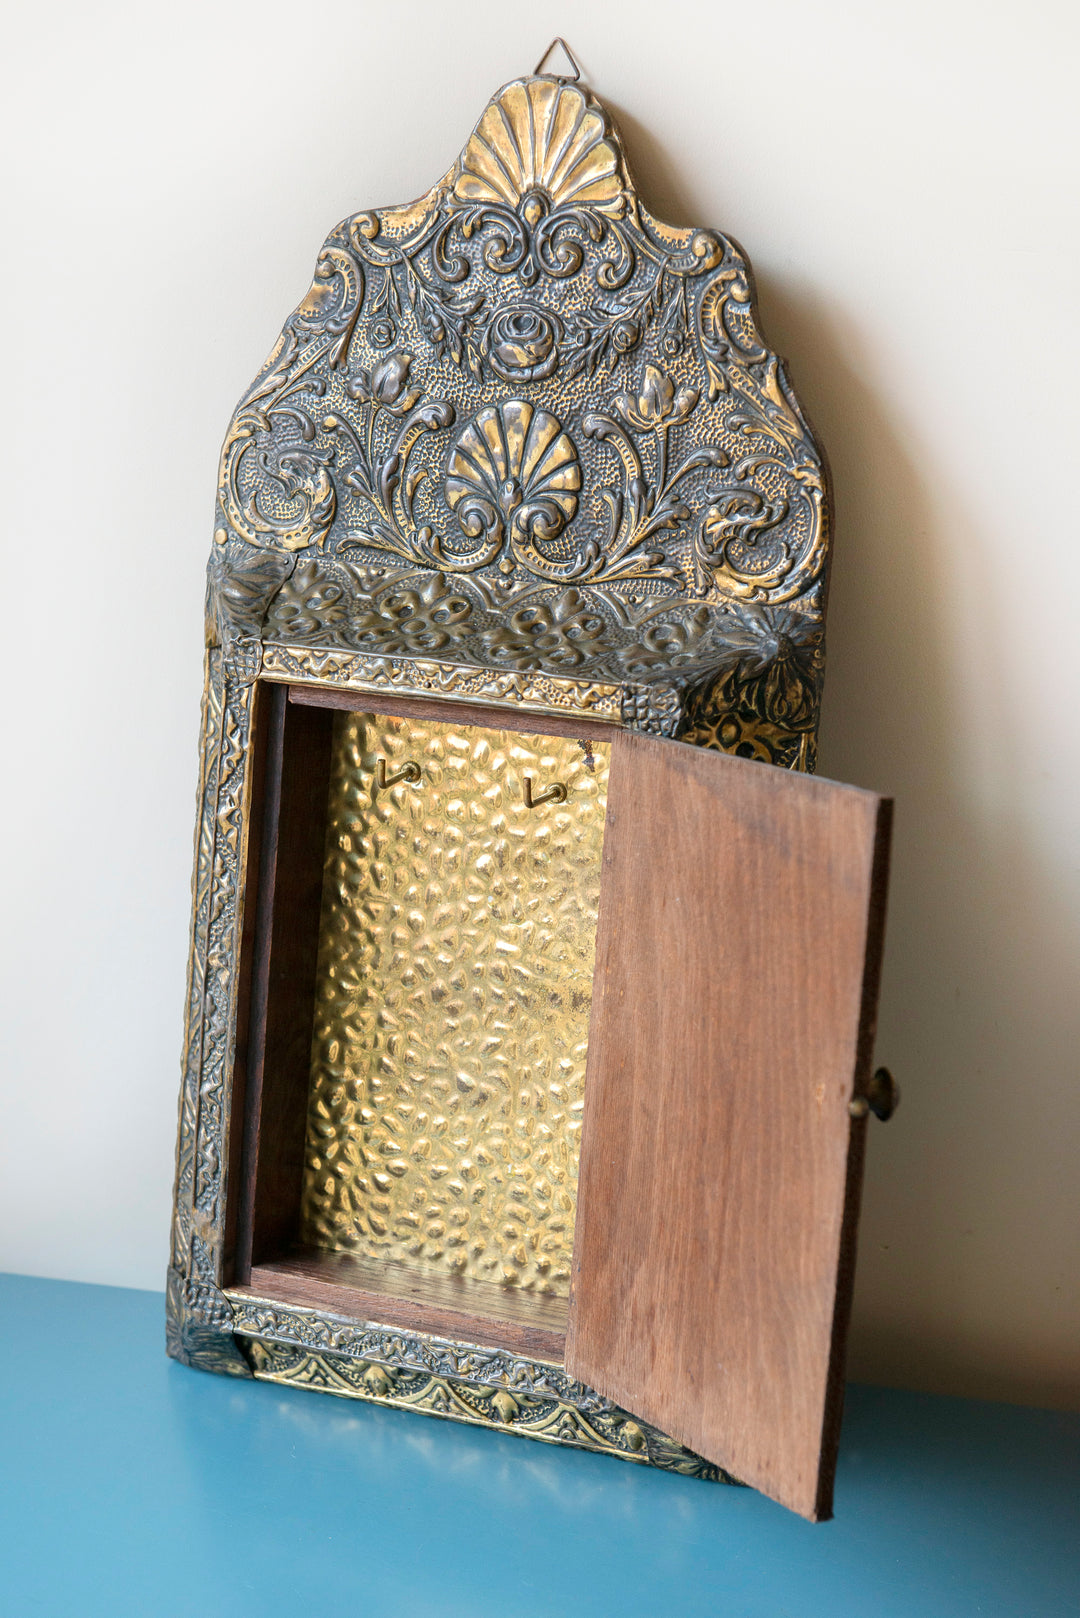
{"x":737,"y":964}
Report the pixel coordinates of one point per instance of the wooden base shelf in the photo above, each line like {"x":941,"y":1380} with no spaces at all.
{"x":528,"y":1323}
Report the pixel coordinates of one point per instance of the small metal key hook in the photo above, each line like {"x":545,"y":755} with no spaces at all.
{"x":553,"y":794}
{"x":409,"y":772}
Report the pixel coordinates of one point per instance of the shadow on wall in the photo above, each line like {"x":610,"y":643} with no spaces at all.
{"x":964,"y":1244}
{"x":967,"y":1243}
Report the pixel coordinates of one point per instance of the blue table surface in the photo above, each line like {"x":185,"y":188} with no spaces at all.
{"x":131,"y":1485}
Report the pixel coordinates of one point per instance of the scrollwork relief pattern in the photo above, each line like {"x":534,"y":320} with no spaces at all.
{"x":210,"y":1024}
{"x":612,"y":1432}
{"x":527,"y":305}
{"x":520,"y":444}
{"x":489,"y":1387}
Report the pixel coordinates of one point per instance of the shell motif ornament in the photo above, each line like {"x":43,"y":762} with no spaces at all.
{"x":514,"y":468}
{"x":527,"y":387}
{"x":543,"y":142}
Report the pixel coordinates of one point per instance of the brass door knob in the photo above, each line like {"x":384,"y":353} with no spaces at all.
{"x":882,"y":1097}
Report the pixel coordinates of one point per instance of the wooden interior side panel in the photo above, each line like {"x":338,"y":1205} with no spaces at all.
{"x":737,"y":961}
{"x":277,"y":1048}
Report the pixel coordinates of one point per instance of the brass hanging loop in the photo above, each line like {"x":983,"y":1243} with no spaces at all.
{"x":556,"y":793}
{"x":409,"y":772}
{"x":570,"y":57}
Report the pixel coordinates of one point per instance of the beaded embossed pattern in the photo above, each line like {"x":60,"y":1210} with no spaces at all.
{"x":454,"y":983}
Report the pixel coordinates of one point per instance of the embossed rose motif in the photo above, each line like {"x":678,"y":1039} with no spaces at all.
{"x":521,"y":344}
{"x":657,"y":404}
{"x":625,"y":335}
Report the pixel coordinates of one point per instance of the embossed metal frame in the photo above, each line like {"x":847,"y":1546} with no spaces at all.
{"x":687,"y":600}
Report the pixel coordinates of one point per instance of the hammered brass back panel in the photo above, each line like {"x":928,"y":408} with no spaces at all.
{"x":452,"y":1007}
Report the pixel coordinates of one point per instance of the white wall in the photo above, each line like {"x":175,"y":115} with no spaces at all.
{"x":903,"y":177}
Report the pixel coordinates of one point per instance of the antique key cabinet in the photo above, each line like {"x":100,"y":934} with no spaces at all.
{"x":533,"y":977}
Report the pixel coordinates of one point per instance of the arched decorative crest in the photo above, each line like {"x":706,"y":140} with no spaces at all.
{"x":523,"y":433}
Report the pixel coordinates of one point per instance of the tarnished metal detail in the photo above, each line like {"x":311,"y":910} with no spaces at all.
{"x":537,"y":693}
{"x":521,"y":424}
{"x":452,"y":1006}
{"x":484,"y":1387}
{"x":613,"y":1432}
{"x":199,"y":1327}
{"x":520,"y":445}
{"x":765,"y":705}
{"x":542,"y":140}
{"x":210,"y":1020}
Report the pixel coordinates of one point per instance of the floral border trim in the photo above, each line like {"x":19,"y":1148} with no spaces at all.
{"x":655,"y":708}
{"x":457,"y":1381}
{"x":454,"y":682}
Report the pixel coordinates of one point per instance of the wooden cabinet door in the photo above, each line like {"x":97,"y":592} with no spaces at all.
{"x":737,"y":963}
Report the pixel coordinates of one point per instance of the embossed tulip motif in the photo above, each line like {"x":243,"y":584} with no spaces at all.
{"x":657,"y":405}
{"x":657,"y":408}
{"x":522,"y":378}
{"x":378,"y":458}
{"x":643,"y":508}
{"x":385,"y":386}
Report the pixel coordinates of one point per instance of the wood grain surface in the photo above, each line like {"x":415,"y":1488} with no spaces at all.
{"x":738,"y":951}
{"x":276,"y":1049}
{"x":452,"y":713}
{"x":389,"y":1294}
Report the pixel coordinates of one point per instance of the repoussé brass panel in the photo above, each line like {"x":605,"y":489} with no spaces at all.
{"x":521,"y":444}
{"x":452,"y":1003}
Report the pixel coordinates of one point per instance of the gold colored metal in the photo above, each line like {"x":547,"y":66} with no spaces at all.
{"x":524,"y":428}
{"x":554,"y":794}
{"x":439,"y":1377}
{"x":611,"y":1431}
{"x":521,"y":444}
{"x":452,"y":1007}
{"x":410,"y":771}
{"x":547,"y":694}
